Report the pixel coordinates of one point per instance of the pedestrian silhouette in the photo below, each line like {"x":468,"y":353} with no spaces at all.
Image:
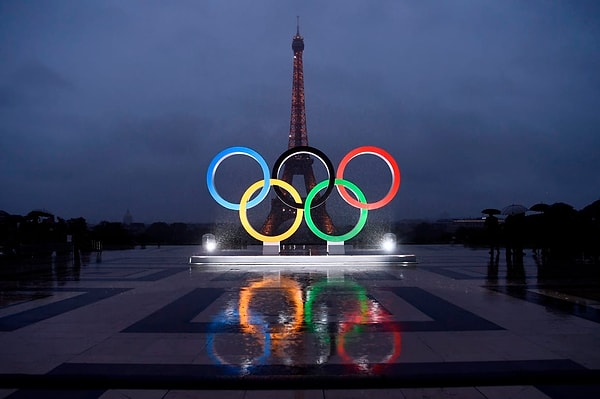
{"x":492,"y":227}
{"x":514,"y":228}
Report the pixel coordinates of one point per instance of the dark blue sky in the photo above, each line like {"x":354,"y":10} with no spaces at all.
{"x":113,"y":105}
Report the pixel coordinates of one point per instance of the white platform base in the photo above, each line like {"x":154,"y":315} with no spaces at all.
{"x":252,"y":259}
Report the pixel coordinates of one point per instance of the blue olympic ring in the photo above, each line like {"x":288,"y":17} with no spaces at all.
{"x":220,"y":157}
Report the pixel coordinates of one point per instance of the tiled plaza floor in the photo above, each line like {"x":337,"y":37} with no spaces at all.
{"x":144,"y":323}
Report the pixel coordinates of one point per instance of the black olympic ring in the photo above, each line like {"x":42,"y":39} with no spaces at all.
{"x":304,"y":150}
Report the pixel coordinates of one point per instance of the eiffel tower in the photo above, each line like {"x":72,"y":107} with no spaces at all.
{"x":301,"y":164}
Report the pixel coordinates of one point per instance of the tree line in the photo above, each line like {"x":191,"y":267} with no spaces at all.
{"x":559,"y":231}
{"x":40,"y":233}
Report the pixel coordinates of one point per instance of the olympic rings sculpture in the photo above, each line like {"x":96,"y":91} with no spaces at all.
{"x":303,"y":209}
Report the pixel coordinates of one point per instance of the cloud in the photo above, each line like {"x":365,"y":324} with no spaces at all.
{"x":108,"y":106}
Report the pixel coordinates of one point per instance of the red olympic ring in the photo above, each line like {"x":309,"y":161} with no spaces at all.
{"x":391,"y":164}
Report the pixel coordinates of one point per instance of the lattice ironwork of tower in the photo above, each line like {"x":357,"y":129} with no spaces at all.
{"x":301,"y":164}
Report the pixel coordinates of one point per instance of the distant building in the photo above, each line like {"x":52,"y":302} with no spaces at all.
{"x":127,"y":219}
{"x":469,"y":223}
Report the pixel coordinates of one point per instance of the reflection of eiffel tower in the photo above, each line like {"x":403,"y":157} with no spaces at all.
{"x":299,"y":164}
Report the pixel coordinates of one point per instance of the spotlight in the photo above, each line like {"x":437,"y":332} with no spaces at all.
{"x":388,"y":243}
{"x":209,"y":242}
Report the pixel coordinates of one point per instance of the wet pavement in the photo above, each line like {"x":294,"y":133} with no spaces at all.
{"x":144,"y":323}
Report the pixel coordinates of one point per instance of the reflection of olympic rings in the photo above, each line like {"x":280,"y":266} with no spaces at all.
{"x":312,"y":199}
{"x":226,"y":320}
{"x":360,"y":362}
{"x":294,"y":294}
{"x":319,"y":288}
{"x":351,"y":326}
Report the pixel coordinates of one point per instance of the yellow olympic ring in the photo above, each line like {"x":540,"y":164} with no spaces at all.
{"x":244,"y":217}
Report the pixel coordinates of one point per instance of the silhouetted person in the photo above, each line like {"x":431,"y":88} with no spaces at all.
{"x":98,"y":247}
{"x":537,"y":230}
{"x":590,"y":231}
{"x":492,"y":227}
{"x":563,"y":232}
{"x":514,"y":227}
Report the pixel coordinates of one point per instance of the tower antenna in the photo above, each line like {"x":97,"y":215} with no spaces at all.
{"x":297,"y":25}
